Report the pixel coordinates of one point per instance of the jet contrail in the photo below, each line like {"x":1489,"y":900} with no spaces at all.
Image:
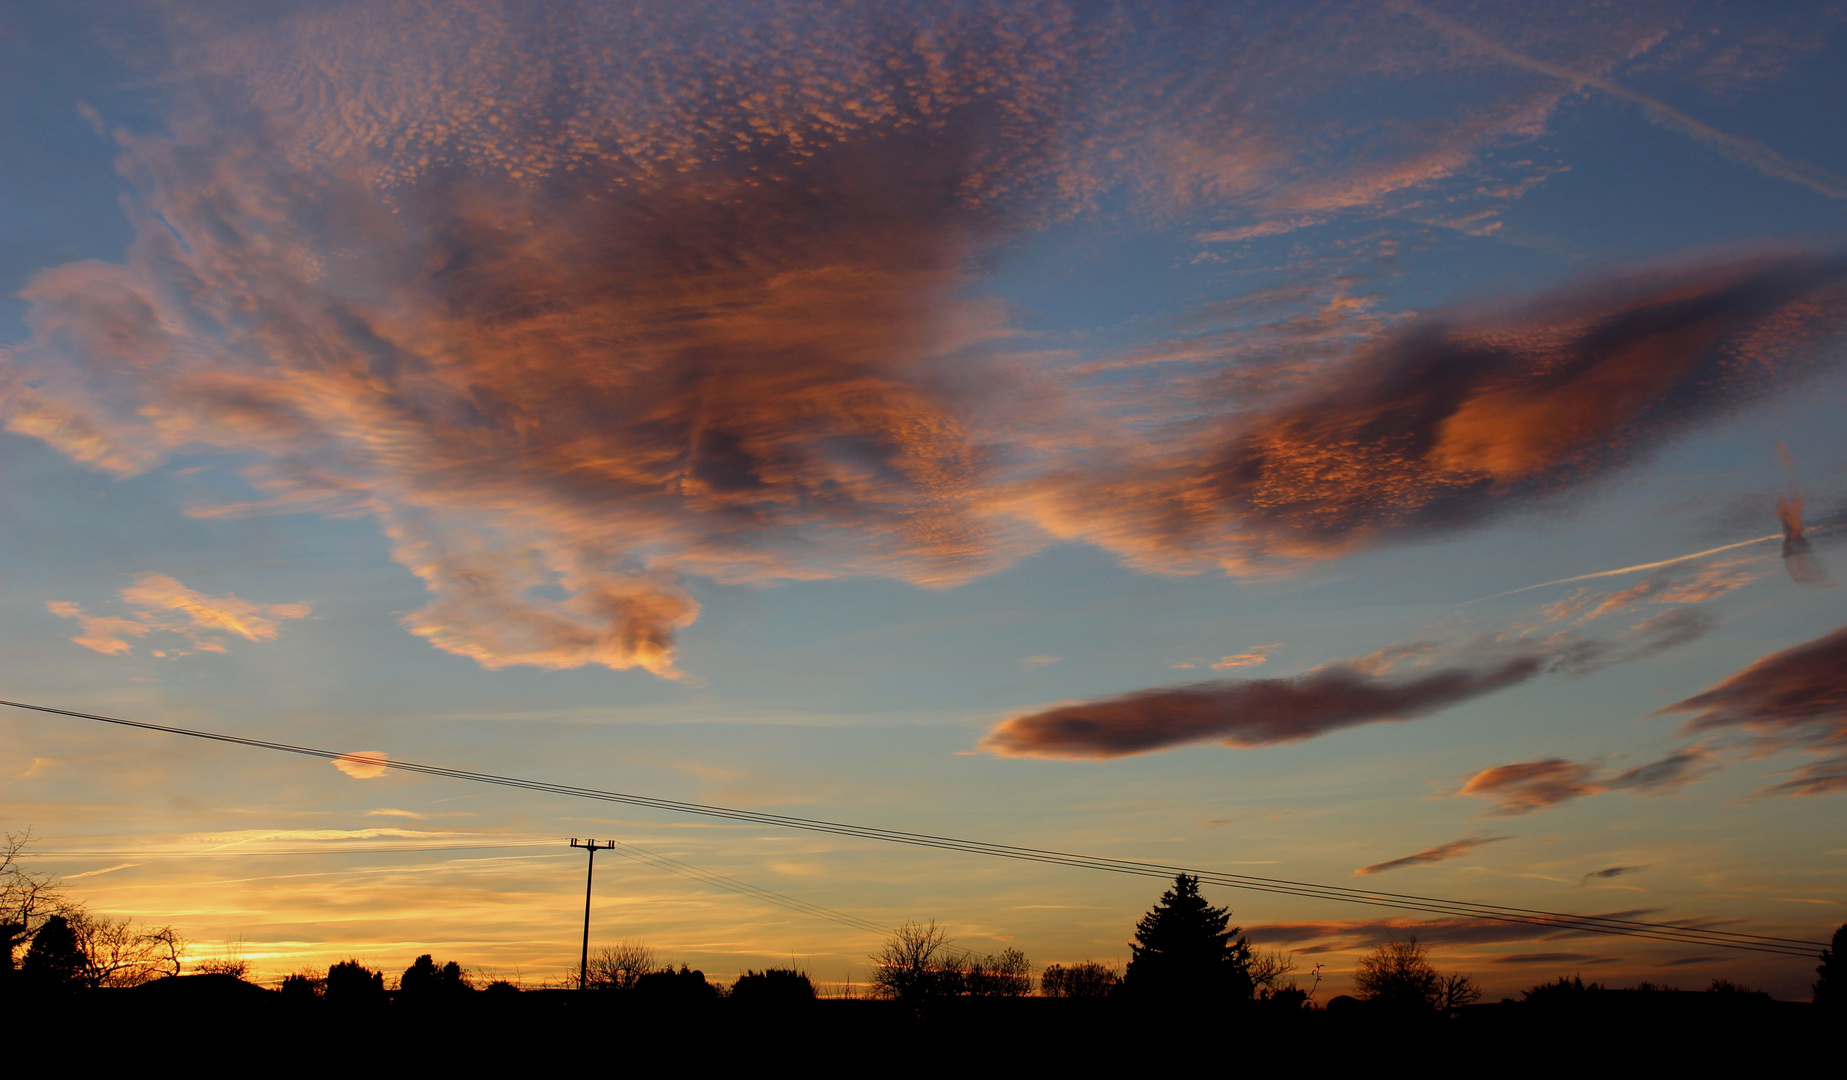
{"x":1630,"y":569}
{"x":1737,"y":147}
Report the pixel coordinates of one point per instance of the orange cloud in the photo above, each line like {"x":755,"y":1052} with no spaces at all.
{"x":1458,"y":419}
{"x":154,"y":600}
{"x":362,"y":764}
{"x":1527,"y":786}
{"x":580,"y":305}
{"x":1249,"y":659}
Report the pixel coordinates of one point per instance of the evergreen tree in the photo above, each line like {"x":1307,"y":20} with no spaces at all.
{"x":1831,"y":981}
{"x":1186,"y":948}
{"x":55,"y":959}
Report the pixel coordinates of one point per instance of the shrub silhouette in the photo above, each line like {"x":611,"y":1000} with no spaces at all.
{"x":1086,"y":980}
{"x":1186,"y":948}
{"x":1831,"y":974}
{"x":1008,"y":975}
{"x":682,"y":987}
{"x":1560,"y":991}
{"x":776,"y":986}
{"x":350,"y":982}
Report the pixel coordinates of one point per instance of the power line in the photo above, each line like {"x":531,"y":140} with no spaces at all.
{"x":1562,"y":922}
{"x":256,"y":853}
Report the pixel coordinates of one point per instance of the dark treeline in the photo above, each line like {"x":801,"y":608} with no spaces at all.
{"x":1192,"y":976}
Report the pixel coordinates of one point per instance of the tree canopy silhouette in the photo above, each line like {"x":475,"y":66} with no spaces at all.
{"x":423,"y":979}
{"x":1186,"y":948}
{"x":351,"y":982}
{"x":1399,"y":974}
{"x":55,"y":961}
{"x":1831,"y":974}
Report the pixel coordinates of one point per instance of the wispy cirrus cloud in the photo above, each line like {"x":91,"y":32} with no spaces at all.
{"x":1440,"y":853}
{"x":1792,"y":699}
{"x":158,"y":603}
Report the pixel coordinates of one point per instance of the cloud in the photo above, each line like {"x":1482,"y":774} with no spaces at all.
{"x":1247,"y":659}
{"x":1796,"y":698}
{"x":1441,"y":852}
{"x":1457,"y":420}
{"x":1609,"y":872}
{"x":1247,"y":713}
{"x":159,"y":603}
{"x":582,"y":303}
{"x":1698,"y":586}
{"x":1527,"y":786}
{"x":362,"y":765}
{"x":1532,"y":785}
{"x":1354,"y":934}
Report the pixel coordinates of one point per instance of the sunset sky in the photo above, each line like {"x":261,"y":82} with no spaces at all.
{"x":1381,"y":444}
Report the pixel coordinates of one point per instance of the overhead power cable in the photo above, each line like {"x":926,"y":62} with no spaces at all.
{"x":1561,"y":922}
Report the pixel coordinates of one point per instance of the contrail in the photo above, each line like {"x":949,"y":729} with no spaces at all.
{"x":1737,"y":147}
{"x":1630,"y":569}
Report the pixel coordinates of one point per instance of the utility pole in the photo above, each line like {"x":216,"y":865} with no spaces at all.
{"x":583,"y":968}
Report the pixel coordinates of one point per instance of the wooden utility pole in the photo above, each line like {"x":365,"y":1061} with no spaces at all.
{"x":583,"y":967}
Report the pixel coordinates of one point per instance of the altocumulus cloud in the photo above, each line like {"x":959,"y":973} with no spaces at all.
{"x":578,"y":301}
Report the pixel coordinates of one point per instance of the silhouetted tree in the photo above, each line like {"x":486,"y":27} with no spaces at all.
{"x":303,"y":986}
{"x":26,"y":899}
{"x":1186,"y":948}
{"x":776,"y":986}
{"x":423,"y":979}
{"x":118,"y":953}
{"x":1399,"y":974}
{"x":621,"y":966}
{"x":350,"y":982}
{"x":1008,"y":975}
{"x":1085,"y":980}
{"x":918,"y":965}
{"x":54,"y":961}
{"x":1831,"y":974}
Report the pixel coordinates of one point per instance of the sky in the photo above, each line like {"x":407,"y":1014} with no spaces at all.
{"x":1389,"y":445}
